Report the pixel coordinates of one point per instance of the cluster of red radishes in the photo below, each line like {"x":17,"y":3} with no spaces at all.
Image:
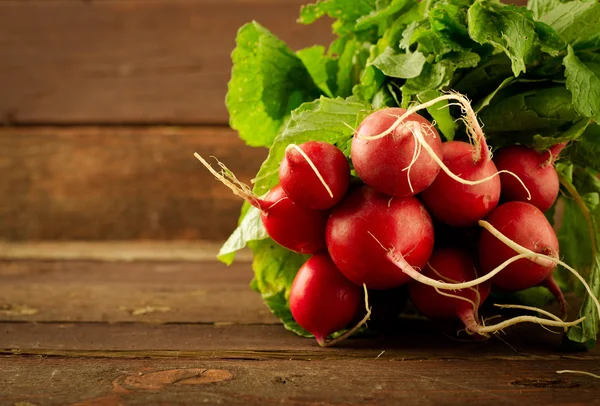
{"x":379,"y":233}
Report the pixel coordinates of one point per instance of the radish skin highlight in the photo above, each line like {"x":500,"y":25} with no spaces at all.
{"x":292,"y":226}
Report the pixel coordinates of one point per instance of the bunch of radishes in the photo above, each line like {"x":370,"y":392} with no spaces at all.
{"x":378,"y":234}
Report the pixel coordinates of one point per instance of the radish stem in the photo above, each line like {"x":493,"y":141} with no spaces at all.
{"x":228,"y":179}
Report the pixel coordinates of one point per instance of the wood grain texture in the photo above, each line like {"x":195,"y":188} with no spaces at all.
{"x":412,"y":340}
{"x":116,"y":251}
{"x":108,"y":382}
{"x":202,"y":292}
{"x":119,"y":183}
{"x":149,"y":292}
{"x":146,"y":61}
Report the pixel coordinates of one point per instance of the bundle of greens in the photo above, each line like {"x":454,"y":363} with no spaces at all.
{"x":532,"y":74}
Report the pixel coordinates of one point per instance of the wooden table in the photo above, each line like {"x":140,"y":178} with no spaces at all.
{"x":127,"y":324}
{"x":106,"y":298}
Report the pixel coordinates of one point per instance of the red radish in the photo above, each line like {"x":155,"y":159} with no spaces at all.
{"x":294,"y":227}
{"x":365,"y":221}
{"x":322,"y":300}
{"x":462,"y":205}
{"x":535,"y":169}
{"x":451,"y":265}
{"x":314,"y":174}
{"x":395,"y":165}
{"x":525,"y":225}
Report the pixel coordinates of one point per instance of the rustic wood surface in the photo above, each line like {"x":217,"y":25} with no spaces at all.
{"x":143,"y":61}
{"x":80,"y":332}
{"x":119,"y":183}
{"x":51,"y":381}
{"x":103,"y":104}
{"x":180,"y":292}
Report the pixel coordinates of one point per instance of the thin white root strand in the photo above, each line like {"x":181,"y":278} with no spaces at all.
{"x":312,"y":166}
{"x":416,"y":153}
{"x":410,"y":271}
{"x":228,"y":179}
{"x":570,"y":371}
{"x":533,"y":309}
{"x":353,"y":329}
{"x":464,"y":299}
{"x":533,"y":256}
{"x":547,"y":258}
{"x":399,"y":261}
{"x":464,"y":103}
{"x":477,"y":302}
{"x":530,"y":308}
{"x":417,"y":132}
{"x":523,"y":319}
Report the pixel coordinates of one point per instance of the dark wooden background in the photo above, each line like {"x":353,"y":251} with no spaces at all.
{"x":103,"y":103}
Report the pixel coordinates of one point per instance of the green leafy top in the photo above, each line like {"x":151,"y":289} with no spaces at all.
{"x":268,"y":81}
{"x":532,"y":73}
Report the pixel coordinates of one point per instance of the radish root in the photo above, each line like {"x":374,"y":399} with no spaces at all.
{"x":469,"y":318}
{"x":570,"y":371}
{"x":228,"y":179}
{"x":325,"y":343}
{"x":533,"y":309}
{"x":416,"y":275}
{"x":416,"y":153}
{"x":475,"y":304}
{"x":312,"y":166}
{"x":474,"y":327}
{"x":537,"y":258}
{"x":401,"y":263}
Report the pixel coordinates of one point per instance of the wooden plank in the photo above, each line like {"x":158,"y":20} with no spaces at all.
{"x":57,"y":381}
{"x":116,"y":251}
{"x":148,"y":61}
{"x":155,"y":292}
{"x":412,"y":340}
{"x":118,"y":183}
